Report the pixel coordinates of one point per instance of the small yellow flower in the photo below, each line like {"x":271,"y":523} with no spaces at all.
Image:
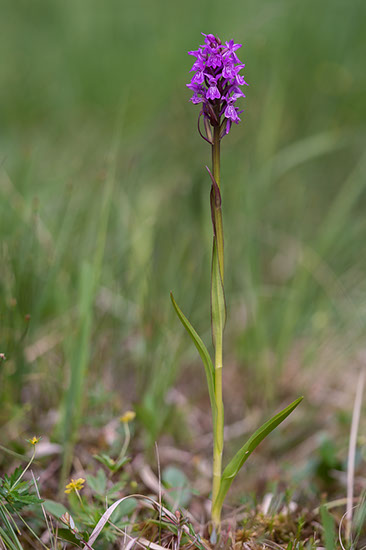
{"x":75,"y":485}
{"x":127,"y":417}
{"x":34,"y":440}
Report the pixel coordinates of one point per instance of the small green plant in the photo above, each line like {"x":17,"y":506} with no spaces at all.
{"x":112,"y":464}
{"x":86,"y":511}
{"x":15,"y":495}
{"x":87,"y":500}
{"x":216,"y":86}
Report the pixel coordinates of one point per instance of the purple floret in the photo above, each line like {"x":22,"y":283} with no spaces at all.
{"x":232,"y":113}
{"x":216,"y":82}
{"x":213,"y":93}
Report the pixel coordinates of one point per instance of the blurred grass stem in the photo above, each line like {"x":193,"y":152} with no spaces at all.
{"x":352,"y":451}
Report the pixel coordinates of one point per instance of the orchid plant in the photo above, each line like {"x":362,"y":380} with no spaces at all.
{"x":217,"y":85}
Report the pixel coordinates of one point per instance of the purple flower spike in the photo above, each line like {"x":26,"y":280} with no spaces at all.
{"x":216,"y":83}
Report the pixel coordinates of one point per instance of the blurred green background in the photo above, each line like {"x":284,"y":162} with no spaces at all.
{"x":104,"y":208}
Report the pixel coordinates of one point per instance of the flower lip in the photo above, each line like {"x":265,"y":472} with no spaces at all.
{"x":231,"y":112}
{"x":213,"y":93}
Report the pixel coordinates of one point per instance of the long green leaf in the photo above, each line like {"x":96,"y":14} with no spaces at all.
{"x":329,"y":528}
{"x":8,"y":534}
{"x":242,"y":455}
{"x":205,"y":356}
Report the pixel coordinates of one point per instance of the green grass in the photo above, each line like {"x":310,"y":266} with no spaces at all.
{"x":76,"y":74}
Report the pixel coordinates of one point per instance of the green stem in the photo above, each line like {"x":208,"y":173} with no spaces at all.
{"x":126,"y":442}
{"x":216,"y":155}
{"x":218,"y":343}
{"x":25,"y":469}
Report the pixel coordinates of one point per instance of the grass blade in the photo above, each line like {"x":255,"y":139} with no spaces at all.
{"x":7,"y":533}
{"x":329,"y":528}
{"x":243,"y":454}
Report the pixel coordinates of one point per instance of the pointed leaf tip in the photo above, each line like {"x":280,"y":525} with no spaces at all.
{"x":215,"y":187}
